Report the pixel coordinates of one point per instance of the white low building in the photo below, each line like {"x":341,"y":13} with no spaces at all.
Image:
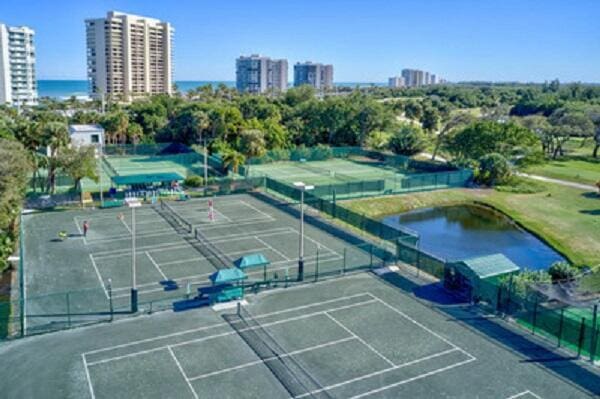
{"x":84,"y":135}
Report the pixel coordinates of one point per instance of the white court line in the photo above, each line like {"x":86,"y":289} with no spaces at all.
{"x":87,"y":376}
{"x":164,"y":276}
{"x":420,"y":325}
{"x":193,"y":330}
{"x":226,"y":334}
{"x":528,"y":392}
{"x":362,"y":341}
{"x":284,"y":355}
{"x":418,"y":377}
{"x":127,"y":237}
{"x":278,"y":252}
{"x":79,"y":230}
{"x":198,"y":276}
{"x":125,"y":224}
{"x":182,"y":372}
{"x":378,"y":372}
{"x":99,"y":276}
{"x":256,"y":209}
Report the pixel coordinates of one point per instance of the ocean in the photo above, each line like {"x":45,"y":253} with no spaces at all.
{"x":63,"y":89}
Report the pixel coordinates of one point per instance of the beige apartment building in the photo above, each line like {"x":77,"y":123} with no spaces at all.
{"x":129,"y":56}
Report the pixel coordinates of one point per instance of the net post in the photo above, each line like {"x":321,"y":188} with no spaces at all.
{"x":238,"y":309}
{"x":581,"y":336}
{"x":371,"y":256}
{"x":111,"y":308}
{"x":344,"y":264}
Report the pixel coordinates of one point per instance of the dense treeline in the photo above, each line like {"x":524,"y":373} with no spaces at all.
{"x":482,"y":125}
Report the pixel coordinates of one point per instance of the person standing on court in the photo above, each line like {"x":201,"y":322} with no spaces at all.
{"x":86,"y":227}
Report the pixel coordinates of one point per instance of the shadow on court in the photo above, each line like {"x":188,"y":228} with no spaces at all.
{"x":496,"y":330}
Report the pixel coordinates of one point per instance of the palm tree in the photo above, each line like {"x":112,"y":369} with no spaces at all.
{"x":56,"y":137}
{"x":252,"y":143}
{"x":201,"y":123}
{"x":233,"y":159}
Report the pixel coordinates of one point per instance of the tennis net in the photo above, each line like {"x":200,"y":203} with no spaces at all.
{"x":289,"y":372}
{"x":166,"y":208}
{"x":214,"y":255}
{"x":325,"y":172}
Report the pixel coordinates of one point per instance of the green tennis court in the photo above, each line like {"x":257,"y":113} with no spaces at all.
{"x":353,"y":337}
{"x":87,"y":276}
{"x":332,"y":171}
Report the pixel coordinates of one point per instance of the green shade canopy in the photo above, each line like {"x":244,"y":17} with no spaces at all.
{"x":489,"y":266}
{"x":230,"y":275}
{"x":146,"y":178}
{"x":251,"y":260}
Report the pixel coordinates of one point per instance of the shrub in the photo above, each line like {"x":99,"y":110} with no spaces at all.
{"x":408,"y":140}
{"x":378,"y":140}
{"x":493,"y":169}
{"x":321,"y":152}
{"x":521,"y":185}
{"x":560,"y":271}
{"x":300,"y":152}
{"x":193,"y":181}
{"x":279,"y":154}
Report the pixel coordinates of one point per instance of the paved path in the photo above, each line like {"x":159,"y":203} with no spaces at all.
{"x":561,"y":182}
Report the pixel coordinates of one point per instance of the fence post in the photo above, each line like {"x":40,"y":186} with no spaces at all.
{"x":581,"y":336}
{"x":68,"y":310}
{"x":535,"y":309}
{"x":560,"y":325}
{"x":593,"y":340}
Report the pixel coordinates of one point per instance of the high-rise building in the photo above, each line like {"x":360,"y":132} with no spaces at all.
{"x":396,"y":82}
{"x":18,"y":85}
{"x":257,"y":74}
{"x":316,"y":75}
{"x":129,"y":56}
{"x":416,"y":78}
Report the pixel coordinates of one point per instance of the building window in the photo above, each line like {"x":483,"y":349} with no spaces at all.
{"x":95,"y":139}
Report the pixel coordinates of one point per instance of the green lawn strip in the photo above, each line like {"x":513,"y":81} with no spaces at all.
{"x":578,"y":169}
{"x":555,"y":215}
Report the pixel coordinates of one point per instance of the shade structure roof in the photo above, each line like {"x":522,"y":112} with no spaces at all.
{"x":230,"y":275}
{"x":251,"y":260}
{"x":490,"y":265}
{"x":146,"y":178}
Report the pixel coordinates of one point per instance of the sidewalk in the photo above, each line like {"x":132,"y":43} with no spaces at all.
{"x":567,"y":183}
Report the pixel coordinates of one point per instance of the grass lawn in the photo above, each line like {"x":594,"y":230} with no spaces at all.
{"x":579,"y":169}
{"x":568,"y":219}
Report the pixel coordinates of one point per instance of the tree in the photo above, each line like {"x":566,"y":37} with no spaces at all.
{"x":413,"y":110}
{"x":597,"y":140}
{"x":115,"y":125}
{"x":541,"y":127}
{"x":233,"y":159}
{"x":430,"y":120}
{"x":55,"y":138}
{"x":79,"y":163}
{"x":14,"y":170}
{"x":493,"y":169}
{"x":567,"y":124}
{"x":378,"y":140}
{"x":454,"y":122}
{"x":134,"y":133}
{"x":408,"y":140}
{"x":484,"y":137}
{"x":252,"y":143}
{"x":201,"y":124}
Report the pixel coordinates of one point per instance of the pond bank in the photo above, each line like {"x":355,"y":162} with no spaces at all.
{"x":564,"y":218}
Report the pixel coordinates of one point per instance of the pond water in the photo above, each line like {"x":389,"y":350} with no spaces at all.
{"x":461,"y":232}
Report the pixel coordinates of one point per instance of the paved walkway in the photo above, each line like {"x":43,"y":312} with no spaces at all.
{"x":567,"y":183}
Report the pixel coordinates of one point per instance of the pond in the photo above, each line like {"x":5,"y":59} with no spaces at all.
{"x":461,"y":232}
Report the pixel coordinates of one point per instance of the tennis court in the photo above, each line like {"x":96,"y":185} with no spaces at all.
{"x":332,"y":171}
{"x":178,"y":241}
{"x":351,"y":337}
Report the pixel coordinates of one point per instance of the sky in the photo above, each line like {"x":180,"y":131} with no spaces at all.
{"x":365,"y":40}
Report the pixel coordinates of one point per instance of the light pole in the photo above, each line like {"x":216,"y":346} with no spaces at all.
{"x":302,"y":187}
{"x":133,"y":203}
{"x":205,"y":164}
